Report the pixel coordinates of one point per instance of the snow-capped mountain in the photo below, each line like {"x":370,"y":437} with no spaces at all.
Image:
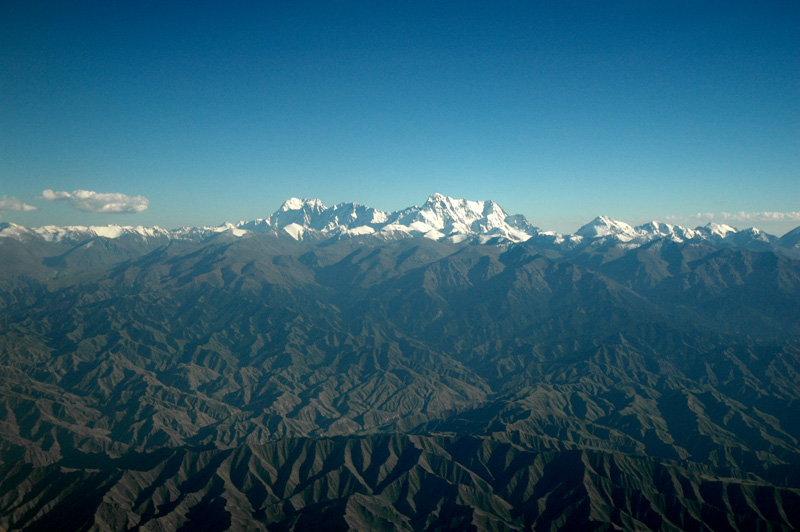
{"x":439,"y":218}
{"x":605,"y":231}
{"x":457,"y":219}
{"x":603,"y":227}
{"x":716,"y":232}
{"x":297,"y":216}
{"x":75,"y":233}
{"x":664,"y":230}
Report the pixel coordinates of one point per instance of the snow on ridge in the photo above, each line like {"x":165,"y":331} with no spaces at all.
{"x":12,"y":230}
{"x":451,"y":216}
{"x":440,"y":218}
{"x":361,"y":230}
{"x":677,"y":233}
{"x":604,"y":229}
{"x":54,"y":233}
{"x":295,"y":204}
{"x":295,"y":230}
{"x":603,"y":226}
{"x":717,"y":230}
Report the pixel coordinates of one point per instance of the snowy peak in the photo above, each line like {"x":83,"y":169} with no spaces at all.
{"x":75,"y":233}
{"x":445,"y":217}
{"x":603,"y":229}
{"x":296,"y":217}
{"x":653,"y":230}
{"x":352,"y":216}
{"x":441,"y":217}
{"x":458,"y":215}
{"x":755,"y":234}
{"x":11,"y":230}
{"x":716,"y":231}
{"x":603,"y":226}
{"x":297,"y":204}
{"x":751,"y":238}
{"x":303,"y":212}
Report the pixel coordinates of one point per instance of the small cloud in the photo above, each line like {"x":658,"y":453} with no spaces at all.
{"x":695,"y":216}
{"x":104,"y":202}
{"x":741,"y":216}
{"x":791,"y":216}
{"x":13,"y":204}
{"x":766,"y":216}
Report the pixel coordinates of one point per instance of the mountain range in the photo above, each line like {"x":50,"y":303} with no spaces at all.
{"x":440,"y":218}
{"x":444,"y":367}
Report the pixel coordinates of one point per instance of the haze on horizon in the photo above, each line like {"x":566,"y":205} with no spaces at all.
{"x":176,"y":115}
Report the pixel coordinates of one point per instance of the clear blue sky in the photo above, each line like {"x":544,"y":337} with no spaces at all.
{"x":561,"y":111}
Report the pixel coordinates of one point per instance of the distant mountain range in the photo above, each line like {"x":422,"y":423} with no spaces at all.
{"x":441,"y":218}
{"x":444,"y":367}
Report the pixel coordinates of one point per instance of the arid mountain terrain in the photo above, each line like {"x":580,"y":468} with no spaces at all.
{"x":238,"y":379}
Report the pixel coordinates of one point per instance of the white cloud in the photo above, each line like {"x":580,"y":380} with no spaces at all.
{"x":13,"y":204}
{"x":106,"y":202}
{"x":741,"y":216}
{"x":766,"y":216}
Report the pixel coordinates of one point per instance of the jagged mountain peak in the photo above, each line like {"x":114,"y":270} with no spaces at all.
{"x":296,"y":204}
{"x":715,"y":230}
{"x":440,"y":217}
{"x":753,"y":231}
{"x":657,"y":229}
{"x":295,"y":213}
{"x":457,"y":218}
{"x":459,"y":204}
{"x":9,"y":229}
{"x":444,"y":210}
{"x":604,"y":226}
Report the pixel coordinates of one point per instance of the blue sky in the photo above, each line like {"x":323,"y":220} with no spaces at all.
{"x":206,"y":112}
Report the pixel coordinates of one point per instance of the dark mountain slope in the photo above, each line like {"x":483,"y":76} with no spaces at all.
{"x":262,"y":381}
{"x":390,"y":482}
{"x":738,"y":291}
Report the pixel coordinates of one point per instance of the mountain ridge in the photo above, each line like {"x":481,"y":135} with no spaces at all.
{"x":440,"y":218}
